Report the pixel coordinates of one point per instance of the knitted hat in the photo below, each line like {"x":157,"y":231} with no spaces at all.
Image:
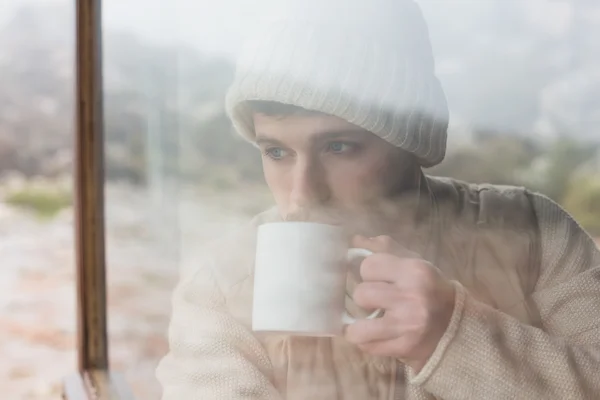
{"x":368,"y":62}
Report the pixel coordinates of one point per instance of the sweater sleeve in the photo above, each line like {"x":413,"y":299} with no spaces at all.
{"x":212,"y":355}
{"x":487,"y":354}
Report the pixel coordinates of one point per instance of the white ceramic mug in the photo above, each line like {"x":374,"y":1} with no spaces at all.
{"x":300,"y":279}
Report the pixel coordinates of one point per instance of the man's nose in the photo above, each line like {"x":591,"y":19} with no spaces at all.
{"x":309,"y":185}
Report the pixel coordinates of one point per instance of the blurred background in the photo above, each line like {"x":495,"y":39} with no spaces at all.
{"x":522,"y":79}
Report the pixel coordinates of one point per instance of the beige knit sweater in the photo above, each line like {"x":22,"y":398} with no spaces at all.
{"x":526,"y":324}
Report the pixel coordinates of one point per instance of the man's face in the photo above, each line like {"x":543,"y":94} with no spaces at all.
{"x":320,"y":167}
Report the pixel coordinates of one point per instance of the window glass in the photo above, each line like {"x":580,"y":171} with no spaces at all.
{"x":249,"y":143}
{"x":142,"y":184}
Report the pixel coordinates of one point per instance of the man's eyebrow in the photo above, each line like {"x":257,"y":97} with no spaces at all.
{"x":335,"y":134}
{"x":261,"y":139}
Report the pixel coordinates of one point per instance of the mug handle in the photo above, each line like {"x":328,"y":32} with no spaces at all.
{"x":354,"y":254}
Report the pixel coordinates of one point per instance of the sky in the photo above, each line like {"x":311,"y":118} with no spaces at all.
{"x":217,"y":25}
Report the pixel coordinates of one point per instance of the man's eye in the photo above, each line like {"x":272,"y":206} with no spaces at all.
{"x":276,"y":153}
{"x":340,"y":147}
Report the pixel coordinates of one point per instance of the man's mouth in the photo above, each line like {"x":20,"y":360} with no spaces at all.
{"x":321,"y":216}
{"x":352,"y":221}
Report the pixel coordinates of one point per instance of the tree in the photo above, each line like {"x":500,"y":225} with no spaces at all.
{"x":582,"y":200}
{"x":494,"y":157}
{"x":563,"y":159}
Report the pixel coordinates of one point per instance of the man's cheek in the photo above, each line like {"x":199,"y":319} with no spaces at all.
{"x":352,"y":193}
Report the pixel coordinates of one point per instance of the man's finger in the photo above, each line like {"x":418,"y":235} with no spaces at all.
{"x":374,"y":295}
{"x":381,"y":267}
{"x":370,"y":330}
{"x":382,"y":244}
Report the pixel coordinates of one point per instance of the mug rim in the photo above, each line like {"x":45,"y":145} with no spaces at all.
{"x":300,"y":223}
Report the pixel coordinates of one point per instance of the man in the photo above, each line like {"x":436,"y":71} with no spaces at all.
{"x":488,"y":292}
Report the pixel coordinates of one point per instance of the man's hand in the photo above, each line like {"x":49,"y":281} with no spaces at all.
{"x":418,"y":303}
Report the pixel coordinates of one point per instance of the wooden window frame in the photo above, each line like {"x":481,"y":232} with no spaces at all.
{"x":94,"y":379}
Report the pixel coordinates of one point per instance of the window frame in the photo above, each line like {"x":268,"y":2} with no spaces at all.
{"x":93,"y":379}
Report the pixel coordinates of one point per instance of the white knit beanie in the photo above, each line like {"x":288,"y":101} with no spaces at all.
{"x":368,"y":62}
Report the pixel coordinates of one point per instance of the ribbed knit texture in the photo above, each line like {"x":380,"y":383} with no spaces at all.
{"x":486,"y":353}
{"x":367,"y":62}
